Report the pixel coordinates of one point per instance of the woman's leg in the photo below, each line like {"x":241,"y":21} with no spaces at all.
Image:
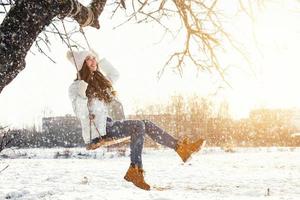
{"x":133,"y":128}
{"x":159,"y":135}
{"x":137,"y":130}
{"x":185,"y":148}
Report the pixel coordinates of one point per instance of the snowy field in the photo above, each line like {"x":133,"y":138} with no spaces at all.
{"x":247,"y":173}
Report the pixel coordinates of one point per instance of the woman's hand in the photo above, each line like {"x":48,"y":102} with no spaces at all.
{"x":92,"y":116}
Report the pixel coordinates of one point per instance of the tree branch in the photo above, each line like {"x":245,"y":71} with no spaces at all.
{"x":26,"y":19}
{"x":85,"y":16}
{"x":4,"y":168}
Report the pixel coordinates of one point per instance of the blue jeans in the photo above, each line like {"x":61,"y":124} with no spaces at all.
{"x":137,"y":129}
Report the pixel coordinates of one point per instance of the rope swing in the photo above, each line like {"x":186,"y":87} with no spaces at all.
{"x":105,"y":142}
{"x":77,"y":68}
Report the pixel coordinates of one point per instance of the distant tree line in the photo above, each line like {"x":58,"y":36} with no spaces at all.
{"x":57,"y":132}
{"x":199,"y":117}
{"x":193,"y":117}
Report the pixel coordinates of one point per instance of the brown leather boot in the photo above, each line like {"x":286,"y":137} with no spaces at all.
{"x":136,"y":176}
{"x":186,"y":148}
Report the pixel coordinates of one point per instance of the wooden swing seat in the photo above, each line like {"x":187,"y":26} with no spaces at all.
{"x":107,"y":142}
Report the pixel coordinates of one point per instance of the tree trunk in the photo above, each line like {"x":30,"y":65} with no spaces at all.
{"x":26,"y":20}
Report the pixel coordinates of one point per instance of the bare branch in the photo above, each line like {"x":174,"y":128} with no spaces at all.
{"x":42,"y":51}
{"x":4,"y":168}
{"x":197,"y":26}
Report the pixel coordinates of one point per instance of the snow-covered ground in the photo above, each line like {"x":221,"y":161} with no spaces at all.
{"x":248,"y":173}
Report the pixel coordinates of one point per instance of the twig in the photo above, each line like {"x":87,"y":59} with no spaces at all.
{"x":4,"y":168}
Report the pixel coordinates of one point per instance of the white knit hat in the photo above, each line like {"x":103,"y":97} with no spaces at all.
{"x":104,"y":65}
{"x":80,"y":57}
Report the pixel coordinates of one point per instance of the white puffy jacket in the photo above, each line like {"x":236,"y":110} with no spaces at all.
{"x":98,"y":108}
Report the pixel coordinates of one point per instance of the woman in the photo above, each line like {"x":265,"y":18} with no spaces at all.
{"x":90,"y":98}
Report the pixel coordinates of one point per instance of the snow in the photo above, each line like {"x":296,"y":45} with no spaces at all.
{"x":247,"y":173}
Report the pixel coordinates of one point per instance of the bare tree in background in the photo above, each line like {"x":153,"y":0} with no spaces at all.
{"x":5,"y":140}
{"x":29,"y":22}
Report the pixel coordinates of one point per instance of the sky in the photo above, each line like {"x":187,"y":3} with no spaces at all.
{"x":270,"y":79}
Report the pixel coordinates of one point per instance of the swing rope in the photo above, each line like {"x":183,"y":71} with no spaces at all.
{"x":77,"y":69}
{"x":86,"y":40}
{"x":70,"y":47}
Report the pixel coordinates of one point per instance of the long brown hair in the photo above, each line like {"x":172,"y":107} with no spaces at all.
{"x":98,"y":85}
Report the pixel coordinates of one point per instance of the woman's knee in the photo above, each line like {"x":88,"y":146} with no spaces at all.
{"x":146,"y":121}
{"x":148,"y":124}
{"x":136,"y":126}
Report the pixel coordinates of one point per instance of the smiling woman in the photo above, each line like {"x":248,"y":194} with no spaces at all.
{"x":90,"y":96}
{"x":91,"y":63}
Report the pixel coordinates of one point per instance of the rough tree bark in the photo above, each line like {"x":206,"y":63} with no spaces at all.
{"x":25,"y":21}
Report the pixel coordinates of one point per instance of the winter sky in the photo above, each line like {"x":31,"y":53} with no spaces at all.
{"x":271,"y":42}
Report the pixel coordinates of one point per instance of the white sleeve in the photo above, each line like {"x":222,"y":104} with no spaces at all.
{"x":78,"y":98}
{"x":82,"y":86}
{"x":110,"y":71}
{"x":78,"y":87}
